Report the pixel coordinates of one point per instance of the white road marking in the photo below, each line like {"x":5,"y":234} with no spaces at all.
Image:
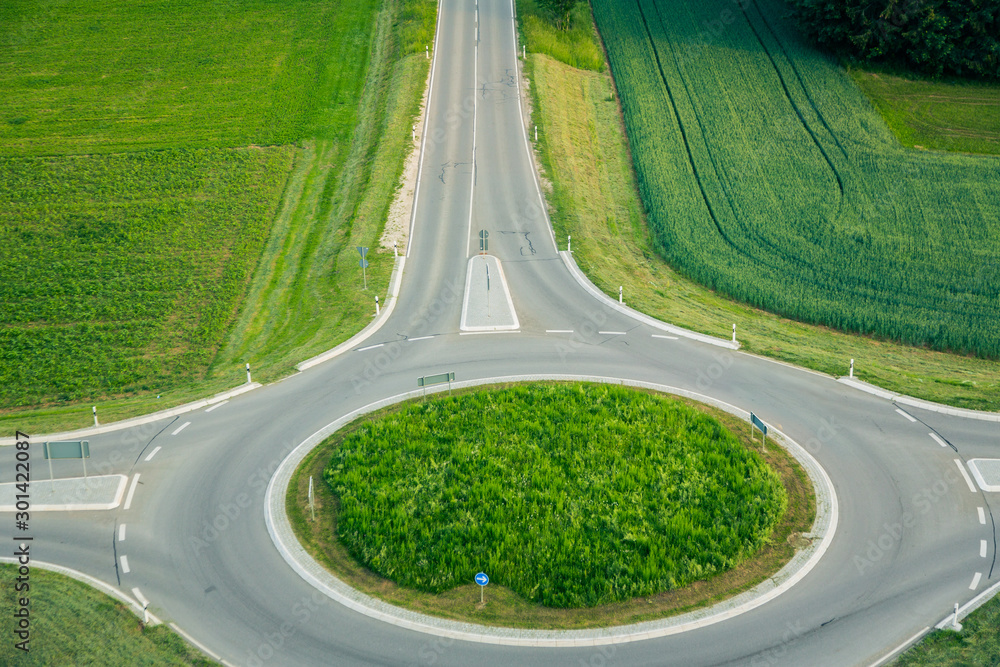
{"x":558,"y":331}
{"x":612,"y":333}
{"x":982,"y":516}
{"x":898,"y":649}
{"x":153,"y":453}
{"x":907,"y":415}
{"x":181,"y":428}
{"x":968,"y":480}
{"x":975,"y":581}
{"x":143,"y":602}
{"x":936,"y":438}
{"x":370,"y":347}
{"x":125,"y":567}
{"x":421,"y":338}
{"x":217,"y":405}
{"x":480,"y":333}
{"x":666,"y":337}
{"x":983,"y":548}
{"x":204,"y":649}
{"x":121,"y":533}
{"x":131,"y":491}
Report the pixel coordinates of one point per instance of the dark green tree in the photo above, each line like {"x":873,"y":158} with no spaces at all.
{"x":559,"y":9}
{"x":933,"y":36}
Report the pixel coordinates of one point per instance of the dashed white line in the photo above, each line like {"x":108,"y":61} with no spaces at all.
{"x":181,"y":428}
{"x":612,"y":333}
{"x":975,"y":581}
{"x":936,"y":438}
{"x":907,"y":415}
{"x":125,"y":567}
{"x":558,"y":331}
{"x":121,"y":533}
{"x":968,"y":480}
{"x":370,"y":347}
{"x":983,"y":548}
{"x":666,"y":337}
{"x":217,"y":405}
{"x":420,"y":338}
{"x":131,"y":491}
{"x":153,"y":453}
{"x":143,"y":602}
{"x":982,"y":515}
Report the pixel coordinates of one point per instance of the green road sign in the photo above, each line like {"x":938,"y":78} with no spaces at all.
{"x":440,"y":378}
{"x":67,"y":449}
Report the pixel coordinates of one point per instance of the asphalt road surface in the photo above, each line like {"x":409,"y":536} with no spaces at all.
{"x":910,"y":536}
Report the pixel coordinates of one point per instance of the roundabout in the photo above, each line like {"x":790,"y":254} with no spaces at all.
{"x":814,"y":542}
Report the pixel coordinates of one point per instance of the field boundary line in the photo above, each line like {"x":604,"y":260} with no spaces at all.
{"x":279,"y":528}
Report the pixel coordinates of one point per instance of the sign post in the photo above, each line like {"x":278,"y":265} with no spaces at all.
{"x":429,"y":380}
{"x":67,"y":449}
{"x":755,"y":421}
{"x":364,"y":263}
{"x":482,"y":580}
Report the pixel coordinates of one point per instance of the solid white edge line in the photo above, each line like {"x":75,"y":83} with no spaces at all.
{"x":901,"y":647}
{"x":475,"y":123}
{"x":197,"y":644}
{"x":370,"y":347}
{"x":968,"y":480}
{"x":936,"y":438}
{"x":666,"y":337}
{"x":181,"y":428}
{"x":131,"y":492}
{"x":907,"y":415}
{"x":982,"y":515}
{"x":527,"y":145}
{"x":124,"y":560}
{"x":143,"y":602}
{"x":217,"y":405}
{"x":975,"y":581}
{"x":423,"y":138}
{"x":983,"y":548}
{"x":121,"y":533}
{"x":153,"y":453}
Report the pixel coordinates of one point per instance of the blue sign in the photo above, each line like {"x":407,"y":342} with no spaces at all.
{"x":363,"y":264}
{"x":758,"y":423}
{"x":482,"y":579}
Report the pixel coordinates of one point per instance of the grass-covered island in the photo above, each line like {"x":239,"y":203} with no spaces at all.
{"x":573,"y":497}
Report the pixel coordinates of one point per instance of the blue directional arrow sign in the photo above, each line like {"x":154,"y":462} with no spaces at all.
{"x":482,"y":579}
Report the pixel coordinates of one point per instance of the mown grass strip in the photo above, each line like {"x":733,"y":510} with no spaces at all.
{"x":74,"y":624}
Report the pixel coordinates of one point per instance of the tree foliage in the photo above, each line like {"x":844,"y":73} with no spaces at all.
{"x":933,"y":36}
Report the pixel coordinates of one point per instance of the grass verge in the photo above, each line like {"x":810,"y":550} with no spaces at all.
{"x":507,"y":608}
{"x":298,"y":288}
{"x":593,"y":197}
{"x":935,"y":114}
{"x":74,"y":624}
{"x":977,"y":644}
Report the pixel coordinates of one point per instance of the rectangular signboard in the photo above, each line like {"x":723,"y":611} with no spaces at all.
{"x":758,"y":423}
{"x":440,"y":378}
{"x":67,"y":449}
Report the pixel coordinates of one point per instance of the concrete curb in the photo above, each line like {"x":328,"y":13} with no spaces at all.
{"x":919,"y":403}
{"x":584,"y":281}
{"x":144,"y":419}
{"x":116,"y":500}
{"x":92,"y":582}
{"x":278,"y":526}
{"x":373,"y":326}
